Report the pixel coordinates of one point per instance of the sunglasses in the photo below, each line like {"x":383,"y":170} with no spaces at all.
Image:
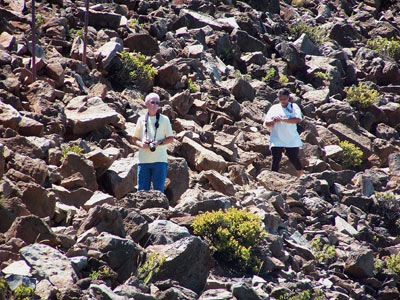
{"x":155,"y":102}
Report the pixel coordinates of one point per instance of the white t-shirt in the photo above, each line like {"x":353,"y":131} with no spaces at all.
{"x":284,"y":134}
{"x":164,"y":130}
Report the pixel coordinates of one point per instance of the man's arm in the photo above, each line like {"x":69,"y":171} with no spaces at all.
{"x":167,"y":140}
{"x":137,"y":142}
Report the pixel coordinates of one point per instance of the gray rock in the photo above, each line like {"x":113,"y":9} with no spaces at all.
{"x":104,"y":218}
{"x":188,"y":261}
{"x":14,"y":280}
{"x":77,"y":171}
{"x":165,"y":232}
{"x":88,"y":114}
{"x":121,"y":255}
{"x":394,"y":163}
{"x":106,"y":53}
{"x":31,"y":229}
{"x":101,"y":291}
{"x":50,"y":264}
{"x":243,"y":291}
{"x":242,"y":90}
{"x":177,"y":179}
{"x":195,"y":201}
{"x":142,"y":42}
{"x":17,"y":268}
{"x":216,"y":294}
{"x":343,"y":226}
{"x":360,"y":263}
{"x":121,"y":178}
{"x":145,"y":199}
{"x":304,"y":44}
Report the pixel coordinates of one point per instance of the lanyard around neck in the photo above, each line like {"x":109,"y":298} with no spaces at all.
{"x":146,"y":119}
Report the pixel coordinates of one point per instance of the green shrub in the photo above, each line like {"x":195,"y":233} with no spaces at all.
{"x":271,"y":73}
{"x":75,"y":149}
{"x":135,"y":67}
{"x":305,"y":295}
{"x":283,"y":79}
{"x":387,"y":47}
{"x":352,"y":155}
{"x":315,"y":34}
{"x":23,"y":292}
{"x":3,"y":288}
{"x":234,"y":236}
{"x":388,"y":207}
{"x":151,"y":266}
{"x":322,"y":75}
{"x":323,"y":252}
{"x":393,"y":263}
{"x":134,"y":22}
{"x":104,"y":272}
{"x":80,"y":33}
{"x":239,"y":74}
{"x":378,"y":265}
{"x":361,"y":95}
{"x":192,"y":87}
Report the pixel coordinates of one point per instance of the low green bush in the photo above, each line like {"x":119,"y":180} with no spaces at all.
{"x":234,"y":236}
{"x":191,"y":86}
{"x":361,"y":95}
{"x":74,"y":149}
{"x":385,"y":46}
{"x":323,"y":252}
{"x":314,"y":33}
{"x":23,"y":292}
{"x":135,"y":67}
{"x":352,"y":155}
{"x":393,"y":263}
{"x":283,"y":79}
{"x":104,"y":272}
{"x":271,"y":73}
{"x":151,"y":266}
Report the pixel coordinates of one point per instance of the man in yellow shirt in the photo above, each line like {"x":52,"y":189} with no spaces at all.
{"x":152,"y":133}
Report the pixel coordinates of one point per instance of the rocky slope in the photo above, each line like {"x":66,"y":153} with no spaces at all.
{"x":65,"y":215}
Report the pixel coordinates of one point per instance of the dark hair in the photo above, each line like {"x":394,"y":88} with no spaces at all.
{"x":284,"y":92}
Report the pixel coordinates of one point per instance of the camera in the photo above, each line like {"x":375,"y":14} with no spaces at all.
{"x":152,"y":146}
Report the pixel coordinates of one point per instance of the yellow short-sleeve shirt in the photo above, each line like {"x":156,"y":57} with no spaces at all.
{"x":164,"y":130}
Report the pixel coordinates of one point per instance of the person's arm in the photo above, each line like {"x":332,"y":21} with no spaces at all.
{"x":291,"y":120}
{"x":167,"y":140}
{"x":137,"y":142}
{"x":135,"y":139}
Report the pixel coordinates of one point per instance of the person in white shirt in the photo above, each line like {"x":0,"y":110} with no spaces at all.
{"x":153,"y":131}
{"x":283,"y":117}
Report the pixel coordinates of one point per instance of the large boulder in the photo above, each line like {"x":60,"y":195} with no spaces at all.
{"x":121,"y":177}
{"x":31,"y":229}
{"x":79,"y":169}
{"x":163,"y":232}
{"x":50,"y":264}
{"x":37,"y":199}
{"x":120,"y":254}
{"x":188,"y":261}
{"x":104,"y":218}
{"x":360,"y":263}
{"x":142,"y":42}
{"x":87,"y":114}
{"x":201,"y":158}
{"x":177,"y":179}
{"x":34,"y":167}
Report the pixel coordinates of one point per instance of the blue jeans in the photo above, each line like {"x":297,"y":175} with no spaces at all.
{"x":152,"y":172}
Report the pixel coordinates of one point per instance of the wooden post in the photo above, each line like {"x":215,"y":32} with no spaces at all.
{"x":85,"y":32}
{"x":33,"y":42}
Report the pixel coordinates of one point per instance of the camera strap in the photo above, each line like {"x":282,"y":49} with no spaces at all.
{"x":146,"y":119}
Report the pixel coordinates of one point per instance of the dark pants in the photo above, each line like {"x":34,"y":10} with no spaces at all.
{"x":291,"y":153}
